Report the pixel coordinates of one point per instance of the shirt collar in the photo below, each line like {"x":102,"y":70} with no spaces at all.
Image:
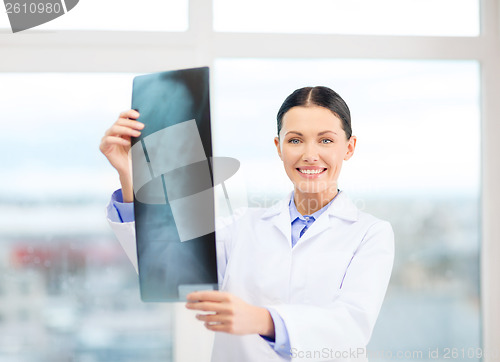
{"x":342,"y":208}
{"x":295,"y":214}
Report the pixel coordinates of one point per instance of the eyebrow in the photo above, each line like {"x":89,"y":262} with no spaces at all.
{"x":319,"y":134}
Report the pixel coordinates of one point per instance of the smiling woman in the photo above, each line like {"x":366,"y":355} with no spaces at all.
{"x":310,"y":272}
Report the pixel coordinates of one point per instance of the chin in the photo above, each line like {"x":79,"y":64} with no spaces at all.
{"x":315,"y":187}
{"x":310,"y":188}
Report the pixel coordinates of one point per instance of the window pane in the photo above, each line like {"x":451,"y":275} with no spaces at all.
{"x":416,"y":164}
{"x":67,"y":290}
{"x":383,"y":17}
{"x":120,"y":15}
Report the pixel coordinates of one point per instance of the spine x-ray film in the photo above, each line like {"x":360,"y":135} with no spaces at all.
{"x":173,"y":185}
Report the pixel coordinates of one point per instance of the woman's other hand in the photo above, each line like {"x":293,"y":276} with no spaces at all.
{"x":230,"y":314}
{"x":115,"y":145}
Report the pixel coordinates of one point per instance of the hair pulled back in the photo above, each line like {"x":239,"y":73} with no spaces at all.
{"x":317,"y":96}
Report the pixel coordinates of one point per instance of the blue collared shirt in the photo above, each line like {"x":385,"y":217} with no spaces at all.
{"x":118,"y":211}
{"x":301,"y":223}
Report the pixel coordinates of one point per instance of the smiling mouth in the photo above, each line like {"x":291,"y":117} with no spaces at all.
{"x":311,"y":172}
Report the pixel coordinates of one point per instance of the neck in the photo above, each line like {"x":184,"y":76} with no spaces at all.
{"x":308,"y":203}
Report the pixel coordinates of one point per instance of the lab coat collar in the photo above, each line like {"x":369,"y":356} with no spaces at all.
{"x":342,"y":207}
{"x":280,"y":216}
{"x":279,"y":208}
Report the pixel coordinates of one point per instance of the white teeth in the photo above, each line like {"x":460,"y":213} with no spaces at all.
{"x":309,"y":172}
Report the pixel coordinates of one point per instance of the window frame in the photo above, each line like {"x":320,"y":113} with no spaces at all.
{"x":104,"y":51}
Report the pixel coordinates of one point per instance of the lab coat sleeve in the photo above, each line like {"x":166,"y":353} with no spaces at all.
{"x":222,"y":235}
{"x":345,"y":324}
{"x":125,"y":233}
{"x":224,"y":230}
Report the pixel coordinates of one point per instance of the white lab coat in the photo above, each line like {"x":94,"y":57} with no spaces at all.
{"x":328,"y":289}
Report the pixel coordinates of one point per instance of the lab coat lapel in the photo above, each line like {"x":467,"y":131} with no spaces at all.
{"x":342,"y":208}
{"x":320,"y":225}
{"x":279,"y":216}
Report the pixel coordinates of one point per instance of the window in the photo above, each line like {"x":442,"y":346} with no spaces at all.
{"x":68,"y":276}
{"x":120,"y":15}
{"x":386,"y":17}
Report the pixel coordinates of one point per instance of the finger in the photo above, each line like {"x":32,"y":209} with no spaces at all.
{"x":208,"y":295}
{"x":212,"y":318}
{"x":207,"y":307}
{"x":216,"y":327}
{"x":117,"y":130}
{"x":131,"y":113}
{"x":114,"y":140}
{"x":129,"y":123}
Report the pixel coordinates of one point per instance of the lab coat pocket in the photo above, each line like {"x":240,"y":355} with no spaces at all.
{"x":325,"y":276}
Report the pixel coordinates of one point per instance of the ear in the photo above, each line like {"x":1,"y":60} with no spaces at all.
{"x":278,"y":147}
{"x":351,"y":146}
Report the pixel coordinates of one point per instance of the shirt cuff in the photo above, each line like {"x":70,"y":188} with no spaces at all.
{"x":281,"y":342}
{"x":119,"y":211}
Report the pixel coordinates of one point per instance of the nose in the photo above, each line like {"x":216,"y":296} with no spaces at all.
{"x":310,"y":154}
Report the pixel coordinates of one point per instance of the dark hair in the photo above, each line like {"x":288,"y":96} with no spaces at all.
{"x":317,"y":96}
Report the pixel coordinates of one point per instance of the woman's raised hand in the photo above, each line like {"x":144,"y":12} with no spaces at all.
{"x":115,"y":145}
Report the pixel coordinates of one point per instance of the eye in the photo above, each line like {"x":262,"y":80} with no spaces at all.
{"x":294,"y":141}
{"x":326,"y":141}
